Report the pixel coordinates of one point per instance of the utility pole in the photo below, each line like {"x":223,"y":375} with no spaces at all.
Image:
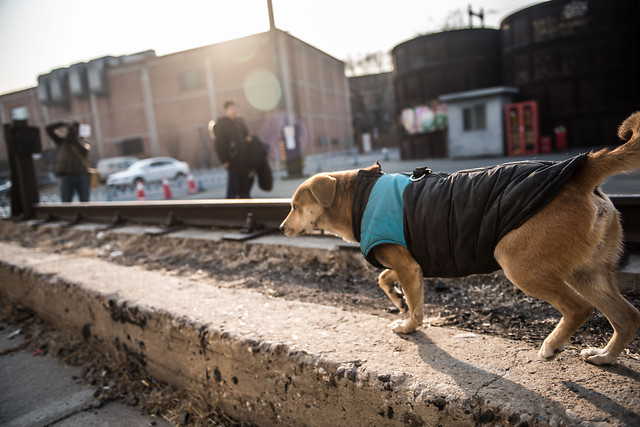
{"x":272,"y":21}
{"x":472,"y":14}
{"x":283,"y":74}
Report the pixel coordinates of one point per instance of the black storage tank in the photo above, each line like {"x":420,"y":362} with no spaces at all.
{"x":435,"y":64}
{"x":580,"y":59}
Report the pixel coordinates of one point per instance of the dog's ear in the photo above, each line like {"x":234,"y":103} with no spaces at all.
{"x":375,"y":168}
{"x":323,"y":188}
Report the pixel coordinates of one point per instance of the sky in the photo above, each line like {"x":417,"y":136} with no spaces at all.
{"x":37,"y":36}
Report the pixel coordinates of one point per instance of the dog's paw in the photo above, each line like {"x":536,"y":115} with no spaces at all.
{"x":404,"y":326}
{"x":597,"y":356}
{"x":548,"y":353}
{"x":399,"y":306}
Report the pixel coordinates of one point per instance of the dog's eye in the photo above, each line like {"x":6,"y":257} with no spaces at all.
{"x":294,"y":206}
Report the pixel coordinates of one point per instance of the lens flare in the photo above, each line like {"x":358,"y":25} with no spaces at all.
{"x":262,"y":90}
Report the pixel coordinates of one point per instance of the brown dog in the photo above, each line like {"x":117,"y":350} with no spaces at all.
{"x":565,"y":253}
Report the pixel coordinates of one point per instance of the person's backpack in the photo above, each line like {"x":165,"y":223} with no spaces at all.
{"x":259,"y":162}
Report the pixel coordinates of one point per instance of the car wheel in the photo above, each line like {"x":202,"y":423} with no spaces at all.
{"x":134,"y":186}
{"x":179,"y":178}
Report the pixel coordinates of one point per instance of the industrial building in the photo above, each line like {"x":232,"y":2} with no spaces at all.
{"x":575,"y":62}
{"x":145,"y":105}
{"x":436,"y":64}
{"x":373,"y":107}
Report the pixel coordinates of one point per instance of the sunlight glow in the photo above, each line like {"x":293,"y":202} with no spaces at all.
{"x":262,"y":90}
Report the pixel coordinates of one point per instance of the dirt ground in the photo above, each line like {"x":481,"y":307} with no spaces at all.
{"x":486,"y":304}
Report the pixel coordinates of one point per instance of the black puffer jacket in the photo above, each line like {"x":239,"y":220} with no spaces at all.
{"x":231,"y":136}
{"x":453,"y":222}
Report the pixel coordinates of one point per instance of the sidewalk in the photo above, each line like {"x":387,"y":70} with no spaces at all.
{"x":38,"y":390}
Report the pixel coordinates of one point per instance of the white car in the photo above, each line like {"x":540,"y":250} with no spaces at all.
{"x":149,"y":170}
{"x":111,"y":165}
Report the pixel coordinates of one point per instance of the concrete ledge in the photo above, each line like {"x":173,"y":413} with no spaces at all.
{"x":270,"y":361}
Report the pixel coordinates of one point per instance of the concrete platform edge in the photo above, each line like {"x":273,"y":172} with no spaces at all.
{"x":262,"y":382}
{"x":424,"y":379}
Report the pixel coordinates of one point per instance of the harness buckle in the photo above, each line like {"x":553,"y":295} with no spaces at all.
{"x":419,"y":173}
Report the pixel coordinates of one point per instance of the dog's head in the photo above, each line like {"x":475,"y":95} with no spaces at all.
{"x":308,"y":205}
{"x":324,"y":202}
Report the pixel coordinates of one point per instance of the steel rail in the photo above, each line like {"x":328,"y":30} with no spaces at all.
{"x":267,"y":213}
{"x":629,"y":208}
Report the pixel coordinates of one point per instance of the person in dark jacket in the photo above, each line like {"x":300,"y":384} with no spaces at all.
{"x":233,"y":148}
{"x":70,"y":167}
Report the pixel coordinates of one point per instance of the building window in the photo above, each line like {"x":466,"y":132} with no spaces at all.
{"x":19,"y":113}
{"x":132,"y":146}
{"x":474,"y":118}
{"x":190,"y":79}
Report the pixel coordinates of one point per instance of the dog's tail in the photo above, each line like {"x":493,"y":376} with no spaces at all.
{"x":600,"y":165}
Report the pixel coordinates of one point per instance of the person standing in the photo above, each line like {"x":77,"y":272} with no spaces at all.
{"x":71,"y":160}
{"x":232,"y":145}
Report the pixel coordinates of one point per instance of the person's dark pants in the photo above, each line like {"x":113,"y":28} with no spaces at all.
{"x":239,"y":184}
{"x":70,"y":184}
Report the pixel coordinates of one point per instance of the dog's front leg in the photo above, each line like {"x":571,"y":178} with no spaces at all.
{"x":387,"y":281}
{"x":408,"y":272}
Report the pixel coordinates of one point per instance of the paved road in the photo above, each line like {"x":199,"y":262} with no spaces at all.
{"x":620,"y":184}
{"x":213,"y":182}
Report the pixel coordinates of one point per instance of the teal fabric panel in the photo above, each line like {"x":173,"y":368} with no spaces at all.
{"x":383,"y":218}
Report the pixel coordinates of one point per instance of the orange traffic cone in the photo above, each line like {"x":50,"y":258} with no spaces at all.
{"x":192,"y":184}
{"x":166,"y":189}
{"x":140,"y":190}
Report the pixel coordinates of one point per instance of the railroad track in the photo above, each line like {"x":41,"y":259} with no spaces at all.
{"x":629,"y":208}
{"x":249,"y":214}
{"x":252,"y":213}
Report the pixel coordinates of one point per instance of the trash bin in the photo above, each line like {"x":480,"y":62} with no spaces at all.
{"x":545,"y":144}
{"x":561,"y":138}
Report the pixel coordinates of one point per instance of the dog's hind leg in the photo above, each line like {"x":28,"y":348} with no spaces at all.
{"x":595,"y":281}
{"x":387,"y":281}
{"x":575,"y":310}
{"x":600,"y":288}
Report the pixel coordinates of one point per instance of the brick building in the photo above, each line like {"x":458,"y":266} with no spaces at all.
{"x":145,"y":105}
{"x":373,"y":107}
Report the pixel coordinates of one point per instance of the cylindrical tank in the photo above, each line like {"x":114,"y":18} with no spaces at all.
{"x":580,"y":59}
{"x":436,"y":64}
{"x":452,"y":61}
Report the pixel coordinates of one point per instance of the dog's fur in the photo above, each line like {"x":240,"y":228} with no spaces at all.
{"x":566,"y":254}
